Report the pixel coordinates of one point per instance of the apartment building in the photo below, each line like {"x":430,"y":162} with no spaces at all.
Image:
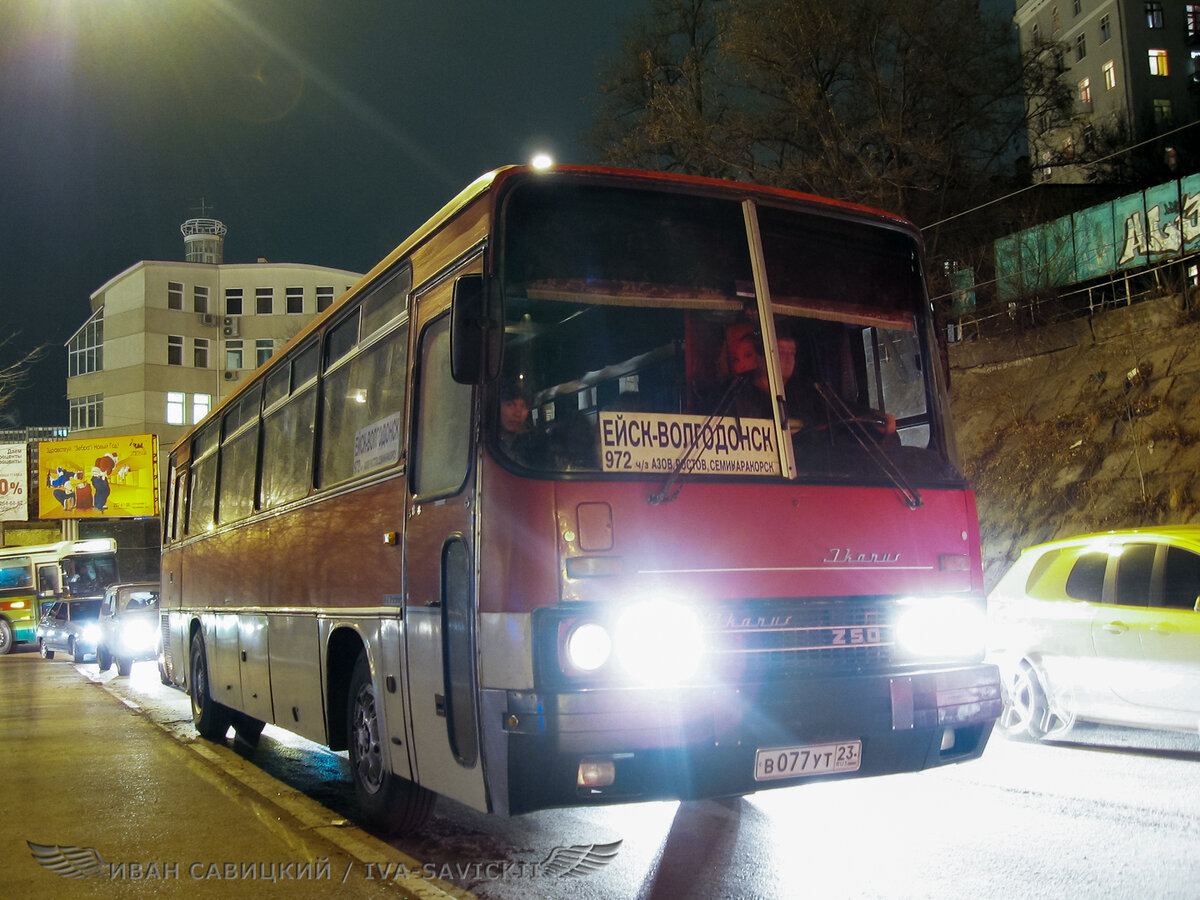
{"x":166,"y":341}
{"x":1131,"y":66}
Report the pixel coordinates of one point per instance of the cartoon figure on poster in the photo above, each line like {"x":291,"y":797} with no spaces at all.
{"x":101,"y":472}
{"x":71,"y":489}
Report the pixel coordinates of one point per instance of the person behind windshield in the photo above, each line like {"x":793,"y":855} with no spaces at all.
{"x":751,"y":395}
{"x":518,"y":439}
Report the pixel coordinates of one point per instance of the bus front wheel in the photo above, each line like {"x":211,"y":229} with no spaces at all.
{"x":388,"y":802}
{"x":210,"y":717}
{"x":6,"y":637}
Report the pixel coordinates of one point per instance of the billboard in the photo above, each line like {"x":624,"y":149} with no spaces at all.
{"x":14,"y":483}
{"x":102,"y":477}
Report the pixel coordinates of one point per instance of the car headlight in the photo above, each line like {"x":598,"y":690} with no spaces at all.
{"x":91,"y":633}
{"x":941,"y":627}
{"x":138,"y":635}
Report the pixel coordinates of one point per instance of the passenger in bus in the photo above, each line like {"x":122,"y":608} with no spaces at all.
{"x":517,"y":438}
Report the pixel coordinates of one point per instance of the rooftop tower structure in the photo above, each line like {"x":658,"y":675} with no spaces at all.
{"x":204,"y":240}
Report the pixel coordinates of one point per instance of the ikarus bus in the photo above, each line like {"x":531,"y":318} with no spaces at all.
{"x":603,"y":486}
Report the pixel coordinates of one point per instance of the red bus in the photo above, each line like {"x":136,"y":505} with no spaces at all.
{"x":603,"y":486}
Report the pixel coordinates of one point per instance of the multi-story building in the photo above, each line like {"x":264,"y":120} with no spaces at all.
{"x":167,"y":340}
{"x":1130,"y":65}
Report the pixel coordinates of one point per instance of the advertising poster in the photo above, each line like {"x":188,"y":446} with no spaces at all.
{"x":104,"y":477}
{"x":14,"y":483}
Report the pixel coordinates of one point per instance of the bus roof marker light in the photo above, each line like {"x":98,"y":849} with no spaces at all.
{"x":541,"y":161}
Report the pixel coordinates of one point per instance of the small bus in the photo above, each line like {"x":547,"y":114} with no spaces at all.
{"x":604,"y":486}
{"x":37,"y":574}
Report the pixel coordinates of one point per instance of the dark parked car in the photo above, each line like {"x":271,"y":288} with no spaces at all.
{"x":129,"y":626}
{"x":1100,"y":628}
{"x":69,"y":626}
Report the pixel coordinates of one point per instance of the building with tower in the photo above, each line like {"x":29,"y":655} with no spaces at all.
{"x":166,"y":341}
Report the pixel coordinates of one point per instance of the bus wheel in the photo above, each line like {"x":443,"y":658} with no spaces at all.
{"x":388,"y":802}
{"x":46,"y":654}
{"x":210,"y":717}
{"x":103,"y":658}
{"x":6,"y":637}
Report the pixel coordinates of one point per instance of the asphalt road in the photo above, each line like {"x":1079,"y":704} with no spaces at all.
{"x":1111,"y":813}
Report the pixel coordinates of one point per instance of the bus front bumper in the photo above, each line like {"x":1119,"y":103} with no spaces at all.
{"x":701,"y":742}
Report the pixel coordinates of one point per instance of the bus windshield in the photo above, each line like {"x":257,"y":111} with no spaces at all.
{"x":89,"y":574}
{"x":632,"y":314}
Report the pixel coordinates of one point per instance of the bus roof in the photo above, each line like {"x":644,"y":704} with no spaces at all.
{"x":60,"y":548}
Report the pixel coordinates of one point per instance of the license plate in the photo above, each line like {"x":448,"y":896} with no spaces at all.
{"x":815,"y":759}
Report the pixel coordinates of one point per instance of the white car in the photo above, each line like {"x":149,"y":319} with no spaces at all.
{"x":1102,"y":628}
{"x":129,"y":626}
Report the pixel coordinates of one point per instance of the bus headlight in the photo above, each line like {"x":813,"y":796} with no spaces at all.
{"x":940,"y":627}
{"x":588,"y":646}
{"x":658,"y":642}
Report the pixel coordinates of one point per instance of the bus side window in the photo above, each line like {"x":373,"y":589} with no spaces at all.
{"x":239,"y":461}
{"x":48,"y":581}
{"x":363,"y":401}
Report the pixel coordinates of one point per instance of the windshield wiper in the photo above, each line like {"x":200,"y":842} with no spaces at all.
{"x":664,"y":494}
{"x":854,"y":424}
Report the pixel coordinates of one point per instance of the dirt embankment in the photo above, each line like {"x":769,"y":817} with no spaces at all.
{"x":1084,"y":426}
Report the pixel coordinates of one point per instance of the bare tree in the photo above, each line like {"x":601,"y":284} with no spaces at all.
{"x":908,"y":105}
{"x":14,"y":375}
{"x":666,"y":104}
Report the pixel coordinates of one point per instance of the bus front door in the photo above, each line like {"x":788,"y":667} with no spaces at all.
{"x":439,"y":548}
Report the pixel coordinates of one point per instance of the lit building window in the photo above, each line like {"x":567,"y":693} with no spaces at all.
{"x":233,"y":301}
{"x":1110,"y":75}
{"x":174,"y":295}
{"x":263,"y":348}
{"x":175,"y":407}
{"x":1085,"y":91}
{"x":1193,"y":20}
{"x":1158,"y":62}
{"x":324,"y":298}
{"x":264,"y":299}
{"x":201,"y":404}
{"x":294,"y":300}
{"x":200,"y":298}
{"x":174,"y":350}
{"x":200,"y":353}
{"x":233,"y":354}
{"x":1154,"y":14}
{"x":85,"y":350}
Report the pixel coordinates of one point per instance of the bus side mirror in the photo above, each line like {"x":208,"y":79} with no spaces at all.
{"x":476,"y":330}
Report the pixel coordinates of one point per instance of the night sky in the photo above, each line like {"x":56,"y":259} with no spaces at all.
{"x":319,"y":132}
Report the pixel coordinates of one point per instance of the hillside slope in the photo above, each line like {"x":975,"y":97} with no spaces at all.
{"x":1085,"y":426}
